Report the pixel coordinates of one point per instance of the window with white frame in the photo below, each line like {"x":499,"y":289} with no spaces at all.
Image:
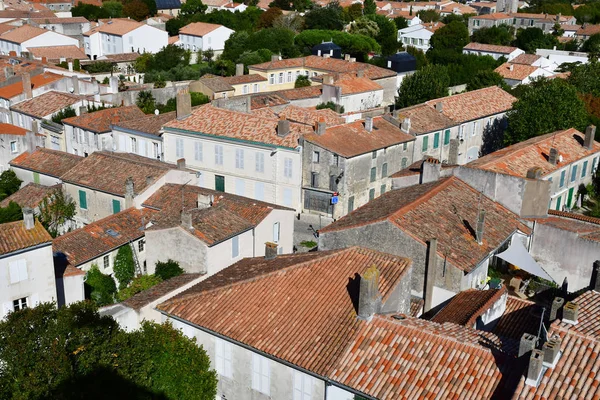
{"x":261,"y":374}
{"x":218,"y":154}
{"x":239,"y":158}
{"x":289,"y":76}
{"x":245,"y":89}
{"x":276,"y":231}
{"x":155,"y":150}
{"x":303,"y":386}
{"x":235,"y":246}
{"x":255,"y":88}
{"x":141,"y":245}
{"x":272,"y":79}
{"x":287,"y":167}
{"x":17,"y":271}
{"x":14,"y":146}
{"x":20,"y":304}
{"x":179,"y":148}
{"x":133,"y":145}
{"x":106,"y":262}
{"x":223,"y":358}
{"x":280,"y":80}
{"x":260,"y":162}
{"x":198,"y":151}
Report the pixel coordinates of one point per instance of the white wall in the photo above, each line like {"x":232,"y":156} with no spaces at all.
{"x":145,"y":39}
{"x":73,"y":288}
{"x":146,"y":145}
{"x":27,"y":177}
{"x":264,"y":232}
{"x":220,"y":255}
{"x":49,"y":39}
{"x":91,"y":45}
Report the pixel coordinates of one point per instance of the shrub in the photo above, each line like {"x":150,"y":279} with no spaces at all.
{"x":139,"y":284}
{"x":302,"y":81}
{"x":62,"y":114}
{"x":168,"y":269}
{"x":331,"y":105}
{"x":124,"y":266}
{"x":101,"y":288}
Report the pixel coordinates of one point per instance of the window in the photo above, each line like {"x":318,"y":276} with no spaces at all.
{"x":179,"y":148}
{"x":436,"y":140}
{"x":155,"y":150}
{"x":303,"y":385}
{"x":573,"y":173}
{"x":594,"y":165}
{"x":276,"y":232}
{"x":404,"y":163}
{"x":259,"y":191}
{"x":584,"y":169}
{"x":374,"y":154}
{"x":14,"y":147}
{"x":82,"y":200}
{"x":272,"y":79}
{"x":218,"y":155}
{"x":260,"y":162}
{"x":280,"y":78}
{"x":287,"y":197}
{"x":425,"y":144}
{"x":36,"y":177}
{"x":373,"y":174}
{"x":106,"y":262}
{"x":558,"y":203}
{"x":384,"y":172}
{"x":371,"y":194}
{"x":316,"y":157}
{"x":336,"y":160}
{"x":239,"y":158}
{"x":350,"y":204}
{"x":314,"y":179}
{"x":223,"y":358}
{"x":255,"y":88}
{"x":20,"y":304}
{"x":133,"y":145}
{"x":235,"y":246}
{"x":287,"y":167}
{"x":141,"y":245}
{"x":198,"y":151}
{"x":562,"y":178}
{"x":116,"y":206}
{"x":447,"y":137}
{"x":240,"y":187}
{"x":261,"y":374}
{"x":289,"y":76}
{"x":17,"y":271}
{"x":382,"y":189}
{"x":404,"y":146}
{"x":245,"y":89}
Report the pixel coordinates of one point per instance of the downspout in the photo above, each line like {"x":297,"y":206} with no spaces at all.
{"x":253,"y":243}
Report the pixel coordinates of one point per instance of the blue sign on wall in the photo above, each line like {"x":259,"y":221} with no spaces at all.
{"x":334,"y":200}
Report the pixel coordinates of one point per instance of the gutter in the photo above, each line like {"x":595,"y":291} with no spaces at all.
{"x":137,"y":133}
{"x":328,"y":382}
{"x":26,"y":249}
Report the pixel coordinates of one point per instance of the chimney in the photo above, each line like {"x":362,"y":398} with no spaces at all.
{"x":204,"y":201}
{"x":534,"y":173}
{"x":8,"y":72}
{"x":360,"y":73}
{"x":480,"y":226}
{"x":369,"y":124}
{"x":511,"y":67}
{"x":12,"y":53}
{"x":75,"y":83}
{"x":551,"y":350}
{"x":453,"y":152}
{"x":44,"y":60}
{"x":405,"y":127}
{"x":369,"y":299}
{"x":184,"y":104}
{"x":527,"y":344}
{"x":186,"y":220}
{"x":346,"y":57}
{"x":274,"y":57}
{"x":28,"y":218}
{"x":534,"y":371}
{"x":439,"y":106}
{"x":239,"y":69}
{"x":595,"y":283}
{"x":557,"y":304}
{"x":26,"y":78}
{"x":352,"y":59}
{"x":30,"y":139}
{"x":430,"y":274}
{"x":328,"y":80}
{"x":270,"y":250}
{"x":113,"y":84}
{"x":320,"y":127}
{"x":395,"y":114}
{"x":590,"y":133}
{"x":149,"y":180}
{"x":129,"y":193}
{"x":326,"y":55}
{"x":181,"y":163}
{"x":553,"y":156}
{"x":570,"y":313}
{"x":283,"y":127}
{"x":70,"y":64}
{"x":430,"y":171}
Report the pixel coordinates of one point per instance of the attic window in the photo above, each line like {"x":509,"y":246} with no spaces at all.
{"x":112,"y":233}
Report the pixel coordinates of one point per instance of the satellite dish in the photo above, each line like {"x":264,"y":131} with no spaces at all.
{"x":156,"y":112}
{"x":71,"y":90}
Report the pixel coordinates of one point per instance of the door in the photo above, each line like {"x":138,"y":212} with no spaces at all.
{"x":219,"y":183}
{"x":570,"y":197}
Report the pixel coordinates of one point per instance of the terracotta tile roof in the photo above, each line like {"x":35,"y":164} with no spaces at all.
{"x":490,"y":48}
{"x":146,"y":297}
{"x":416,"y":306}
{"x":116,"y":26}
{"x":100,"y":121}
{"x":122,"y":57}
{"x":544,"y":17}
{"x":585,"y":227}
{"x":37,"y":81}
{"x":22,"y":34}
{"x":326,"y":65}
{"x":30,"y":195}
{"x":588,"y":30}
{"x":72,"y":271}
{"x":46,"y":104}
{"x":306,"y":328}
{"x":521,"y":316}
{"x":14,"y":236}
{"x":55,"y":53}
{"x":107,"y":171}
{"x":93,"y":240}
{"x":476,"y":104}
{"x":468,"y":305}
{"x":150,"y":124}
{"x":580,"y":217}
{"x":425,"y":118}
{"x":173,"y":39}
{"x":353,"y":85}
{"x":415,"y":168}
{"x":517,"y":159}
{"x":302,"y":115}
{"x":442,"y":210}
{"x":306,"y":92}
{"x":216,"y":83}
{"x":10,"y":129}
{"x":383,"y":135}
{"x":59,"y":20}
{"x":239,"y":79}
{"x":262,"y":100}
{"x":433,"y":26}
{"x":210,"y":120}
{"x":48,"y":162}
{"x":515,"y":71}
{"x":494,"y":16}
{"x":198,"y":28}
{"x":25,"y":14}
{"x":588,"y":323}
{"x":526,"y":59}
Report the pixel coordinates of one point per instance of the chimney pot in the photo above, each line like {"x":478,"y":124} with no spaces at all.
{"x":557,"y":304}
{"x":590,"y":133}
{"x":274,"y":57}
{"x":369,"y":299}
{"x":270,"y":250}
{"x":553,"y":156}
{"x":369,"y":124}
{"x":283,"y":127}
{"x":534,"y":371}
{"x":551,"y":350}
{"x":181,"y":163}
{"x":28,"y":219}
{"x":534,"y":173}
{"x":570,"y":313}
{"x":527,"y":344}
{"x":480,"y":226}
{"x":346,"y":57}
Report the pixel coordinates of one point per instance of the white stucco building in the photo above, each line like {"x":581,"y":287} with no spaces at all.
{"x":18,"y":40}
{"x":141,"y":136}
{"x":201,"y":36}
{"x":418,"y":35}
{"x":492,"y":50}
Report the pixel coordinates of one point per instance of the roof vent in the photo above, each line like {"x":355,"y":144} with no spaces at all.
{"x":111,"y":232}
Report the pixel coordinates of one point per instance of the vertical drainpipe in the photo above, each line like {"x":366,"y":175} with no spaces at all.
{"x":253,"y":242}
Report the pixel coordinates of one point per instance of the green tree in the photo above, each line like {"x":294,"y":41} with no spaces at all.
{"x":293,"y":22}
{"x":592,"y":46}
{"x":136,"y":9}
{"x":328,"y":17}
{"x":192,"y":7}
{"x":167,"y":58}
{"x":545,"y":106}
{"x":114,"y":8}
{"x":207,"y":55}
{"x":67,"y":112}
{"x":138,"y":284}
{"x":89,"y":11}
{"x":586,"y":78}
{"x":588,"y":13}
{"x":369,"y":7}
{"x":332,"y":106}
{"x":356,"y":45}
{"x":199,"y":98}
{"x":74,"y":353}
{"x":354,"y":11}
{"x":428,"y":15}
{"x":266,"y":19}
{"x":302,"y":81}
{"x":9,"y":183}
{"x":430,"y":82}
{"x":401,"y":23}
{"x":56,"y":210}
{"x":124,"y":266}
{"x":12,"y":212}
{"x":483,"y":79}
{"x":387,"y":37}
{"x":364,"y":26}
{"x":531,"y":39}
{"x":419,"y":55}
{"x":146,"y":101}
{"x":451,"y":37}
{"x":499,"y":35}
{"x":100,"y":288}
{"x":168,"y":269}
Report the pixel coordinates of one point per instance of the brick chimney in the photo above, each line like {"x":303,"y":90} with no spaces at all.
{"x":534,"y":371}
{"x":557,"y":304}
{"x":595,"y":281}
{"x":28,"y":219}
{"x":553,"y":156}
{"x":527,"y":344}
{"x":534,"y":173}
{"x":184,"y":104}
{"x":369,"y":124}
{"x":283,"y":127}
{"x":181,"y":163}
{"x":369,"y":299}
{"x":26,"y":78}
{"x":480,"y":226}
{"x":570,"y":313}
{"x":129,"y":192}
{"x":590,"y":133}
{"x":430,"y":274}
{"x":270,"y":250}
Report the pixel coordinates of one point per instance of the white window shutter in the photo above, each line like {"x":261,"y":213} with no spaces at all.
{"x":219,"y":361}
{"x":34,"y":300}
{"x":228,"y":359}
{"x":276,"y":232}
{"x":23,"y":270}
{"x":308,"y":384}
{"x":255,"y":371}
{"x":297,"y":385}
{"x":266,"y":375}
{"x":14,"y":271}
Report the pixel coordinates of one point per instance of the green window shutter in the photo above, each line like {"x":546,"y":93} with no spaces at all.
{"x":425,"y":143}
{"x":574,"y":173}
{"x":373,"y":174}
{"x":562,"y":178}
{"x":382,"y":189}
{"x":584,"y":169}
{"x":36,"y":177}
{"x":371,"y":194}
{"x":384,"y":172}
{"x":116,"y":204}
{"x":436,"y":140}
{"x":558,"y":203}
{"x":351,"y":204}
{"x":447,"y":137}
{"x":82,"y":200}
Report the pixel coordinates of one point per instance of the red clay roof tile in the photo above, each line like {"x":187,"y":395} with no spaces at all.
{"x":100,"y":121}
{"x":48,"y":162}
{"x":14,"y":236}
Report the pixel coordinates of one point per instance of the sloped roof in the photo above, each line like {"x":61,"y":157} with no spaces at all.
{"x":490,"y":48}
{"x":55,"y":53}
{"x":22,"y":34}
{"x":15,"y":89}
{"x":162,"y":289}
{"x":150,"y":124}
{"x":584,"y":226}
{"x":239,"y":79}
{"x":468,"y":305}
{"x":116,"y":26}
{"x":425,"y":118}
{"x":527,"y":59}
{"x":515,"y":71}
{"x":198,"y":28}
{"x":521,"y":316}
{"x":30,"y":195}
{"x":10,"y":129}
{"x":46,"y":104}
{"x":301,"y":115}
{"x":443,"y":210}
{"x":47,"y":162}
{"x":14,"y":236}
{"x":588,"y":322}
{"x":100,"y":121}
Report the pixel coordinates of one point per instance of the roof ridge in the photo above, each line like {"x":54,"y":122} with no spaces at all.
{"x":579,"y":217}
{"x":443,"y":184}
{"x":143,"y":160}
